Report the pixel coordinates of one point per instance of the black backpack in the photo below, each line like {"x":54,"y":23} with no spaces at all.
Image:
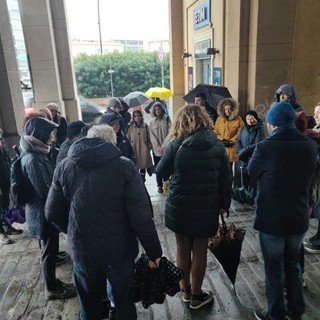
{"x":19,"y":186}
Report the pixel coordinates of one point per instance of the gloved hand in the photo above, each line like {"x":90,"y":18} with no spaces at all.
{"x":227,"y":143}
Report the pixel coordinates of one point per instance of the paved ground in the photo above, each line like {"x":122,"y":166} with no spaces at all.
{"x":22,"y":292}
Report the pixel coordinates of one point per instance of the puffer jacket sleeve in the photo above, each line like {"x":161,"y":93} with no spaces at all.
{"x":225,"y":180}
{"x":256,"y":164}
{"x":139,"y":212}
{"x":56,"y":207}
{"x":165,"y":166}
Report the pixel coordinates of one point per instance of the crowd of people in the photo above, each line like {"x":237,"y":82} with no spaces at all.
{"x":88,"y":181}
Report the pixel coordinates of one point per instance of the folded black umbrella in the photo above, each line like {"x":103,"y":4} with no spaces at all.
{"x":226,"y":247}
{"x":214,"y":94}
{"x":151,"y":285}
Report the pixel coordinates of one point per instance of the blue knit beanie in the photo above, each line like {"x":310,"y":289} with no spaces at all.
{"x":281,"y":113}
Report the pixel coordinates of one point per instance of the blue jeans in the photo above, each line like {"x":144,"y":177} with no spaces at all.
{"x":90,"y":282}
{"x":281,"y":256}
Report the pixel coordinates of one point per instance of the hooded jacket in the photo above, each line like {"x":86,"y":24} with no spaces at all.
{"x":248,"y":138}
{"x":98,"y":198}
{"x":200,"y":183}
{"x":159,"y":129}
{"x":229,"y":128}
{"x":38,"y":169}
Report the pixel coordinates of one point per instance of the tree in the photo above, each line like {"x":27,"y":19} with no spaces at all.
{"x":132,"y":71}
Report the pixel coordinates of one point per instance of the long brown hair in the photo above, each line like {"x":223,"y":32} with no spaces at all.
{"x":189,"y":119}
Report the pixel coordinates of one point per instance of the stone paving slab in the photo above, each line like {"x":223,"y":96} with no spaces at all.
{"x":22,"y":289}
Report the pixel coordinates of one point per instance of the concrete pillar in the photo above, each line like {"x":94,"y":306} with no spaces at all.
{"x":236,"y":49}
{"x":11,"y":102}
{"x":46,"y":36}
{"x":176,"y":50}
{"x":64,"y":59}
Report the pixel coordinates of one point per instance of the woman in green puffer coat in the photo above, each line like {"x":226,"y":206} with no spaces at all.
{"x":199,"y":188}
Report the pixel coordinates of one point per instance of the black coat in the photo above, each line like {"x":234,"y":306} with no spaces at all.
{"x":108,"y":204}
{"x":38,"y":169}
{"x":247,"y":140}
{"x":125,"y":147}
{"x":283,"y":166}
{"x":200,"y":183}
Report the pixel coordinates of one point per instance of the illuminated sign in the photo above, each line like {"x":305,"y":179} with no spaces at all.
{"x":201,"y":15}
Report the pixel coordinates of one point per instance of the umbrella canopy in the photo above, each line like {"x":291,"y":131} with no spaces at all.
{"x":226,"y":247}
{"x":135,"y":98}
{"x":157,"y":92}
{"x":214,"y":94}
{"x":90,"y":110}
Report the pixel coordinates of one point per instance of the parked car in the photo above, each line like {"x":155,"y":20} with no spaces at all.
{"x":89,"y":110}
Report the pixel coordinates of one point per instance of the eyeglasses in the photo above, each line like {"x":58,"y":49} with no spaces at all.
{"x":136,"y":115}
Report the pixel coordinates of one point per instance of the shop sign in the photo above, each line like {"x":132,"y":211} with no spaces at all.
{"x":201,"y":15}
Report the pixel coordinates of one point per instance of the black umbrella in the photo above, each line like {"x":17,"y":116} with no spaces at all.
{"x":90,"y":110}
{"x":226,"y":247}
{"x":214,"y":94}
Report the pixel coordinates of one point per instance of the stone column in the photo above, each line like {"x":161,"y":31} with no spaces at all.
{"x":11,"y":102}
{"x":46,"y":36}
{"x":176,"y":50}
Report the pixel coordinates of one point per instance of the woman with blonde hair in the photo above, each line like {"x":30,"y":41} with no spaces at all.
{"x":199,"y":189}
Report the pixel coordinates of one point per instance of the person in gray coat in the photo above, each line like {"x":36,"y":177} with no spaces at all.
{"x":37,"y":169}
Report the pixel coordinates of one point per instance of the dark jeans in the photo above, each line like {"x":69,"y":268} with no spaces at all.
{"x":5,"y":198}
{"x":49,"y":249}
{"x":281,"y":256}
{"x":90,"y":282}
{"x":156,"y":160}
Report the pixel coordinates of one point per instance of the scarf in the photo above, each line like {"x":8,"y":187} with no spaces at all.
{"x":38,"y":145}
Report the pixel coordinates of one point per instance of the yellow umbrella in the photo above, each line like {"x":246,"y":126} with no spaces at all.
{"x":158,"y":92}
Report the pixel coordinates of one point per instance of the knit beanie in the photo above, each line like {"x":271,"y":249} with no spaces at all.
{"x":39,"y":128}
{"x":252,"y":113}
{"x":281,"y":113}
{"x":109,"y":118}
{"x":114,"y":102}
{"x":74,"y":128}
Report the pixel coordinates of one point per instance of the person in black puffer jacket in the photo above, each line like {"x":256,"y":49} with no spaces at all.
{"x":98,"y":198}
{"x":199,"y":188}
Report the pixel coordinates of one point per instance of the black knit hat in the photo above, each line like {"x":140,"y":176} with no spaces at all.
{"x":110,"y":118}
{"x":252,"y":113}
{"x":39,"y":128}
{"x":74,"y":128}
{"x":114,"y":102}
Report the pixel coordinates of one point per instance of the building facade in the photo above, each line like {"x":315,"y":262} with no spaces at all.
{"x":255,"y":46}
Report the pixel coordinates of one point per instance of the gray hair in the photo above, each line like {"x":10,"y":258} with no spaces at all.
{"x":104,"y":132}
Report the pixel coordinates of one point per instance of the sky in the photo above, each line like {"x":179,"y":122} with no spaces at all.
{"x":119,"y":19}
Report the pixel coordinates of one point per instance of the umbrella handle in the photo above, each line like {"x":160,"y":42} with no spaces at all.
{"x":224,"y":225}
